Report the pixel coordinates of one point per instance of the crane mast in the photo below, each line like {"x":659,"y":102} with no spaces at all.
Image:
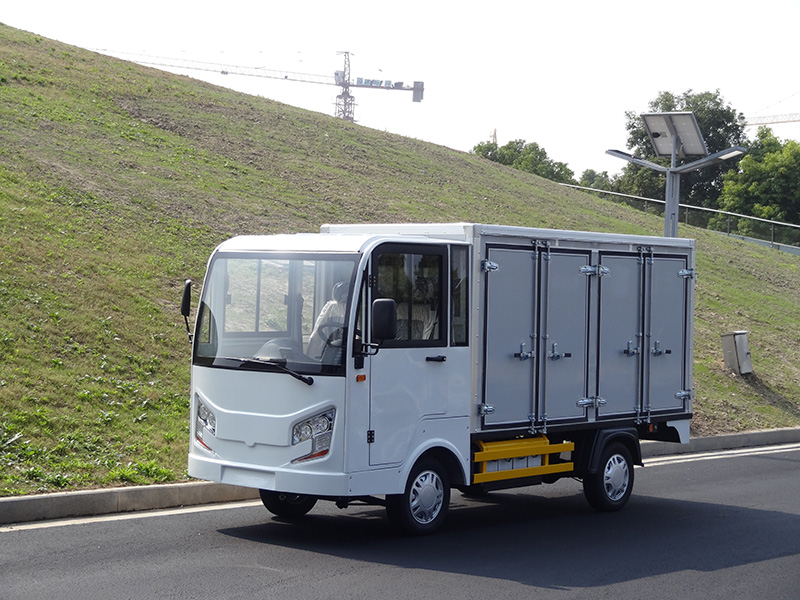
{"x":345,"y":102}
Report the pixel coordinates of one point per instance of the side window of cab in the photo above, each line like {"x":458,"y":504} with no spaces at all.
{"x":414,"y":277}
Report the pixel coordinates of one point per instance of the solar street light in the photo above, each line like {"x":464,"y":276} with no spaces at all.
{"x":677,"y":135}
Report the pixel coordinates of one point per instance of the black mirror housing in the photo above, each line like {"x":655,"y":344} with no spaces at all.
{"x":384,"y":319}
{"x":186,"y":301}
{"x":186,"y":305}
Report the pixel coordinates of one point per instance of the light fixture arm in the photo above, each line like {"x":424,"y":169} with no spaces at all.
{"x":712,"y":159}
{"x":636,"y":160}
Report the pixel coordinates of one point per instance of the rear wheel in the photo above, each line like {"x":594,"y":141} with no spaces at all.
{"x":609,"y":489}
{"x":421,"y":509}
{"x":290,"y":506}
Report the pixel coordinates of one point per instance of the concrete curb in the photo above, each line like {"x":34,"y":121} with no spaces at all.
{"x":85,"y":503}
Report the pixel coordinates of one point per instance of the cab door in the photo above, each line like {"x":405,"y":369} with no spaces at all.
{"x":411,"y":377}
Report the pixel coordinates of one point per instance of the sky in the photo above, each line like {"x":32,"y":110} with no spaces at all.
{"x":561,"y":74}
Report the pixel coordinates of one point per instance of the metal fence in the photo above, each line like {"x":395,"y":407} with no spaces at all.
{"x":781,"y":236}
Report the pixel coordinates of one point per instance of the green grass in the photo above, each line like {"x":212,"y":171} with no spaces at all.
{"x":117,"y":181}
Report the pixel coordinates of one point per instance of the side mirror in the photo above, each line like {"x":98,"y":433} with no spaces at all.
{"x":186,"y":305}
{"x":186,"y":302}
{"x":384,"y":319}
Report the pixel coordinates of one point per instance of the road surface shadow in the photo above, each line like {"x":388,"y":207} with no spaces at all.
{"x":548,"y":542}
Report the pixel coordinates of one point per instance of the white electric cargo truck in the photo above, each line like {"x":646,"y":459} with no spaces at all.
{"x":390,"y":363}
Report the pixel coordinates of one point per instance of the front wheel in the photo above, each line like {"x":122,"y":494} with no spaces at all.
{"x":289,"y":506}
{"x":609,"y":489}
{"x":421,"y":509}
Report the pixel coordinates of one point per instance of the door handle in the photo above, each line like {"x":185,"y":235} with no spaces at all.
{"x":522,"y":355}
{"x":440,"y":358}
{"x":657,"y":351}
{"x":630,"y":350}
{"x":556,"y":355}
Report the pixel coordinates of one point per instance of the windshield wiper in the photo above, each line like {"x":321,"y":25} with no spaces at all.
{"x":280,"y":363}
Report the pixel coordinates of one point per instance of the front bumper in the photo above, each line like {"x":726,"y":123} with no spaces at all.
{"x":317,"y":483}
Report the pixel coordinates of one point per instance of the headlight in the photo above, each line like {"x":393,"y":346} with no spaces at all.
{"x":205,"y":422}
{"x":318,"y":429}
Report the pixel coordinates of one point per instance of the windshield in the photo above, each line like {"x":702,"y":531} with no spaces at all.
{"x":288,"y":309}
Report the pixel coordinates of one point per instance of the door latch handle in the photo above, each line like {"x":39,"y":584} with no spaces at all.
{"x":657,"y":351}
{"x":556,"y":355}
{"x":592,"y":402}
{"x":440,"y":358}
{"x":522,"y":355}
{"x":630,"y":350}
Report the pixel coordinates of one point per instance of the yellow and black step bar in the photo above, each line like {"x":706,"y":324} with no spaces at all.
{"x":514,"y":459}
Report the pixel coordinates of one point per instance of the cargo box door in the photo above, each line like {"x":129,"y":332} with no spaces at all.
{"x":510,"y":336}
{"x":620,"y":336}
{"x":564,"y":337}
{"x":668,"y":282}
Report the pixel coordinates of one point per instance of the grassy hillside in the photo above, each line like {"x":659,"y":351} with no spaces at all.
{"x":116,"y":182}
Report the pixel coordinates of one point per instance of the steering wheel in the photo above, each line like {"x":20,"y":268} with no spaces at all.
{"x":331,"y":333}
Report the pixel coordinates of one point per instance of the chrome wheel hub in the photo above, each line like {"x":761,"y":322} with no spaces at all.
{"x":616,"y":477}
{"x":427,"y":497}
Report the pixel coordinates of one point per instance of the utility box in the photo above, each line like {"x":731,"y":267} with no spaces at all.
{"x":736,"y":350}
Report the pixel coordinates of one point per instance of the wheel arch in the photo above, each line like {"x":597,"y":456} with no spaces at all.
{"x":448,"y":460}
{"x":446,"y":440}
{"x":445,"y":453}
{"x":589,"y":448}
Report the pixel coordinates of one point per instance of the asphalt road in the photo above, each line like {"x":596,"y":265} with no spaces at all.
{"x":722,"y":525}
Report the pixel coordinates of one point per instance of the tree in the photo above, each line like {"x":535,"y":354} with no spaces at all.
{"x":721,"y":126}
{"x":593,"y":179}
{"x":531,"y":158}
{"x":487,"y":150}
{"x":767,"y":185}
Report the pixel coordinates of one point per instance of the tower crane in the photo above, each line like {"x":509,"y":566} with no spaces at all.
{"x":345,"y":101}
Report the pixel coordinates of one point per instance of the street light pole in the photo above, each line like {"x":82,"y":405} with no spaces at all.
{"x":672,"y":194}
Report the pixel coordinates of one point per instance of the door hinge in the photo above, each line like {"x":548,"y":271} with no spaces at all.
{"x":485,"y":409}
{"x":598,"y":270}
{"x":687,"y":273}
{"x":591,"y":401}
{"x":684,"y":395}
{"x":487,"y":266}
{"x":371,"y":436}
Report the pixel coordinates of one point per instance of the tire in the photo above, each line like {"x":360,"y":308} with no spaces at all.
{"x":289,"y":506}
{"x":422,"y":508}
{"x":608,"y":490}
